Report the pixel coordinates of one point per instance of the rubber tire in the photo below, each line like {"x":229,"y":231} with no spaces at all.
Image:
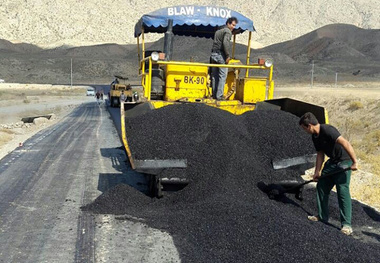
{"x":155,"y":187}
{"x":115,"y":99}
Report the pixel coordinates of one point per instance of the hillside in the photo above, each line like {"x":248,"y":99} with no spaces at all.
{"x":336,"y":48}
{"x":77,"y":23}
{"x":333,"y":42}
{"x":351,"y":52}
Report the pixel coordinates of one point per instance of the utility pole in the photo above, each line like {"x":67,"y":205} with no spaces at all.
{"x":71,"y":74}
{"x":336,"y":79}
{"x":312,"y":73}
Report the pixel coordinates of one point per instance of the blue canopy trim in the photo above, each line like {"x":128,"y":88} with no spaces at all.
{"x":189,"y":20}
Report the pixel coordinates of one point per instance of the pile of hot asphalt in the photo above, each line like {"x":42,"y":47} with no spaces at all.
{"x":222,"y":216}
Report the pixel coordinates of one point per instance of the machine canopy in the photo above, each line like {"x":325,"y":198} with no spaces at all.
{"x":190,"y":20}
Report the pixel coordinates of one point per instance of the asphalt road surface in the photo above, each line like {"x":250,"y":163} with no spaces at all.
{"x":44,"y":183}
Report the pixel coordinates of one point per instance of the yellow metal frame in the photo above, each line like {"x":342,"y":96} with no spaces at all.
{"x":147,"y":76}
{"x":249,"y":53}
{"x":124,"y":136}
{"x":326,"y":117}
{"x":233,"y":106}
{"x":233,"y":50}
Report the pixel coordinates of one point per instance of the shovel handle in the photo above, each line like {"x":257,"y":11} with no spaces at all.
{"x":326,"y":175}
{"x":336,"y":172}
{"x":330,"y":174}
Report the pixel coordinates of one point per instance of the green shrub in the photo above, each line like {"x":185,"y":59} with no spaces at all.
{"x":355,"y":105}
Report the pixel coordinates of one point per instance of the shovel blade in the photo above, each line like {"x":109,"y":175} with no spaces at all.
{"x":306,"y":161}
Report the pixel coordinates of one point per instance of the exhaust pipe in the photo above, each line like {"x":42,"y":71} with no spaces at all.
{"x":168,"y":41}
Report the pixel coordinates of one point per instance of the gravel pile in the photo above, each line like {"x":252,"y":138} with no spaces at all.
{"x":222,"y":216}
{"x":118,"y":198}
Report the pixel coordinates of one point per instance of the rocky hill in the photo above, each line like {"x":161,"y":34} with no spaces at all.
{"x":339,"y":49}
{"x":77,"y":23}
{"x":352,"y":52}
{"x":333,"y":42}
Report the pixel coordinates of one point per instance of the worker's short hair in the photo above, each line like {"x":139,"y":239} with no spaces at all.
{"x":308,"y":118}
{"x":231,"y":19}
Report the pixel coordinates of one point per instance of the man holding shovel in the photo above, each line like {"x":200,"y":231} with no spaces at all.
{"x":328,"y":141}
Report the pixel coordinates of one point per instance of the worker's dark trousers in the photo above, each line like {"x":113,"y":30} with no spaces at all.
{"x":342,"y":183}
{"x":218,"y":76}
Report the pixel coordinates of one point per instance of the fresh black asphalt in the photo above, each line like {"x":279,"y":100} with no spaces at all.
{"x":222,"y":216}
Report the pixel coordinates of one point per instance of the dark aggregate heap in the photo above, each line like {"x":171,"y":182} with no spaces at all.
{"x":121,"y":197}
{"x":222,"y":216}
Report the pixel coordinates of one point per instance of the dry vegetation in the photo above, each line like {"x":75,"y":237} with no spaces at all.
{"x":34,"y":95}
{"x":5,"y":136}
{"x":355,"y":111}
{"x":14,"y":92}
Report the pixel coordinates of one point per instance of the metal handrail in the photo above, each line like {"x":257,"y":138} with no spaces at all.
{"x":147,"y":78}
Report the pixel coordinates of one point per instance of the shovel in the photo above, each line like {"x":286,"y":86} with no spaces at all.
{"x":276,"y":191}
{"x":305,"y":160}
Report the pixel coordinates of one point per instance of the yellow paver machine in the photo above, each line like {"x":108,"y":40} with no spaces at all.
{"x":249,"y":86}
{"x":166,"y":82}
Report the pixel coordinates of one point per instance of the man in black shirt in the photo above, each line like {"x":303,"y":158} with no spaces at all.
{"x":328,"y":141}
{"x":220,"y":54}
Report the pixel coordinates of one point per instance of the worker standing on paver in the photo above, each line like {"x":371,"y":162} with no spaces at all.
{"x":220,"y":54}
{"x":98,"y":97}
{"x":327,"y":140}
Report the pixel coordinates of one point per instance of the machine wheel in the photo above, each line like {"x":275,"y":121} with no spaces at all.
{"x":115,"y":101}
{"x":156,"y":186}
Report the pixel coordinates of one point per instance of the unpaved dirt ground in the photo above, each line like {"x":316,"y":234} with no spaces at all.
{"x":354,"y":108}
{"x":24,"y":100}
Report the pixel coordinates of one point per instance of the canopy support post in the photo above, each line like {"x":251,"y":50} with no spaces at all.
{"x":138,"y":48}
{"x":233,"y":47}
{"x":248,"y":53}
{"x":143,"y":43}
{"x":138,"y":53}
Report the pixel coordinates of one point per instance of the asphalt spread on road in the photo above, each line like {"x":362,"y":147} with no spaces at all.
{"x":222,"y":216}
